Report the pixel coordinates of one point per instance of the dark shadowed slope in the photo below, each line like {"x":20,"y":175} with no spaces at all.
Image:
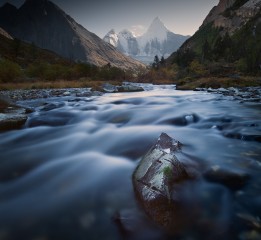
{"x":46,"y":25}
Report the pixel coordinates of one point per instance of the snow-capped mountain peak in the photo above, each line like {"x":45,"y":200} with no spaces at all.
{"x":157,"y":29}
{"x":112,"y":38}
{"x":157,"y":40}
{"x":127,"y":43}
{"x":126,"y":34}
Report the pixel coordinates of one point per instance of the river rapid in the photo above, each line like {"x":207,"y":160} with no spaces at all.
{"x":68,"y":173}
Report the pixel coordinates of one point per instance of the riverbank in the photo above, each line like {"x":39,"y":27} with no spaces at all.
{"x":182,"y":84}
{"x":218,"y":82}
{"x":59,"y":84}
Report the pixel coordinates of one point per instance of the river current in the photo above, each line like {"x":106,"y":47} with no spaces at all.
{"x":67,"y":174}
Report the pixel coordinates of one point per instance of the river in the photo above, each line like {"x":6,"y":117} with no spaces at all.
{"x":67,"y":173}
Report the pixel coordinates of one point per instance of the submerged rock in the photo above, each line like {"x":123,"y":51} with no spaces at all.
{"x":11,"y":123}
{"x":154,"y":182}
{"x":230,"y":179}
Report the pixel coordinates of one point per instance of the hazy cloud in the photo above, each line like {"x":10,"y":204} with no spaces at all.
{"x":138,"y":30}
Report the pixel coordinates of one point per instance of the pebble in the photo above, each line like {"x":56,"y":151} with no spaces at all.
{"x":20,"y":95}
{"x":246,"y":94}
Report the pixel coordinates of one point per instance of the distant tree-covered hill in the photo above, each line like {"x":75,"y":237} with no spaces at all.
{"x":231,"y":33}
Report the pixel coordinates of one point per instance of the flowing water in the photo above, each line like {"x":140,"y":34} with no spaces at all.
{"x":67,"y":174}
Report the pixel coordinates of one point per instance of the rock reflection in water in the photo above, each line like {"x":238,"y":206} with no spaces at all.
{"x":67,"y":174}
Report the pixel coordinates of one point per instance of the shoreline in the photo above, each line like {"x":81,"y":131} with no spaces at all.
{"x":182,"y":84}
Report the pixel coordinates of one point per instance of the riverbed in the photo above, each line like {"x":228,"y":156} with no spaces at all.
{"x":68,"y":173}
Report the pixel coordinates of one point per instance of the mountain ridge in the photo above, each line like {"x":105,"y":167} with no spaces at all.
{"x":157,"y":40}
{"x":230,"y":35}
{"x":5,"y":34}
{"x":46,"y":25}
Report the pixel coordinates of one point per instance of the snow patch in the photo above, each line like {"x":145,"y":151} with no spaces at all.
{"x":167,"y":150}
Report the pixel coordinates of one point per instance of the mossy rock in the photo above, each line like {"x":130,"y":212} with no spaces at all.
{"x":155,"y":180}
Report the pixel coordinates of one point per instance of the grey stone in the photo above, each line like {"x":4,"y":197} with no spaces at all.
{"x":11,"y":116}
{"x":130,"y":88}
{"x":232,"y":180}
{"x":67,"y":93}
{"x":109,"y":88}
{"x":155,"y":179}
{"x":12,"y":122}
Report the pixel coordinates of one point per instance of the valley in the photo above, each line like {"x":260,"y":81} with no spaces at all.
{"x":149,"y":137}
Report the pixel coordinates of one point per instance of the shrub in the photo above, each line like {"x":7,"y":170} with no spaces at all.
{"x":9,"y":71}
{"x":241,"y":65}
{"x":197,"y":68}
{"x":47,"y":71}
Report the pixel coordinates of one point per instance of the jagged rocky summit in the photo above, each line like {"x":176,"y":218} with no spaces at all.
{"x":228,"y":42}
{"x":228,"y":17}
{"x":47,"y":26}
{"x":157,"y":40}
{"x":233,"y":14}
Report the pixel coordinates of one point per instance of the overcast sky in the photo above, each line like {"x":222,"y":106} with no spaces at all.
{"x":100,"y":16}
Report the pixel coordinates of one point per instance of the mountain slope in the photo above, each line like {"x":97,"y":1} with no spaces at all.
{"x":111,"y":37}
{"x":25,"y":65}
{"x":231,"y":33}
{"x":5,"y":34}
{"x":43,"y":23}
{"x":25,"y":54}
{"x":157,"y":40}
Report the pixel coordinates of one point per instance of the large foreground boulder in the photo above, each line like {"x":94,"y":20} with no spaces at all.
{"x":155,"y":180}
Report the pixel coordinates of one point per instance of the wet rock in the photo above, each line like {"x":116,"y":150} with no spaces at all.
{"x":53,"y":119}
{"x":199,"y":89}
{"x":11,"y":116}
{"x":97,"y":93}
{"x":154,"y":182}
{"x":20,"y":95}
{"x":250,"y":235}
{"x":182,"y":121}
{"x":230,"y":179}
{"x":12,"y":122}
{"x":51,"y":106}
{"x":67,"y":93}
{"x":127,"y":87}
{"x":84,"y":94}
{"x":243,"y":137}
{"x":250,"y":220}
{"x":29,"y":110}
{"x":211,"y":90}
{"x":246,"y":94}
{"x":109,"y":88}
{"x":132,"y":224}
